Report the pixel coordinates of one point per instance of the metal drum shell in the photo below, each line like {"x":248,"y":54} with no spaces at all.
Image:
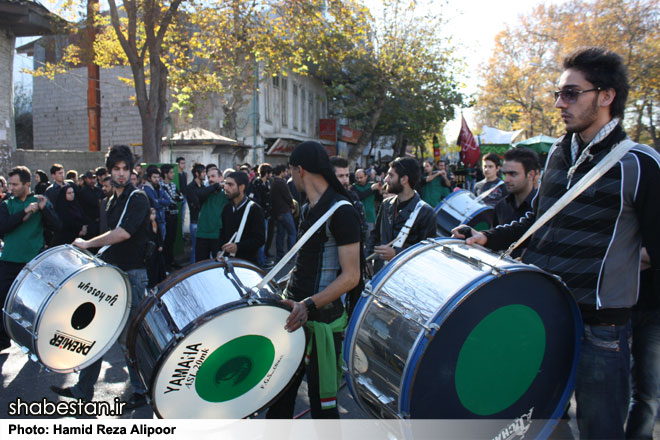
{"x":34,"y":289}
{"x":393,"y":330}
{"x":153,"y":333}
{"x":460,"y":207}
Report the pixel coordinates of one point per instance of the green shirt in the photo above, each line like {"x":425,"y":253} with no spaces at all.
{"x":369,"y":203}
{"x":27,"y":239}
{"x":210,"y":216}
{"x":434,"y":191}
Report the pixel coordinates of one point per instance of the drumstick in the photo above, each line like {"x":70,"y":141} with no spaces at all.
{"x":231,"y":240}
{"x":375,"y":254}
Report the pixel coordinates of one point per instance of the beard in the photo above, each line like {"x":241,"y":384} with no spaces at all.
{"x":394,"y":188}
{"x":116,"y":184}
{"x":585,"y":119}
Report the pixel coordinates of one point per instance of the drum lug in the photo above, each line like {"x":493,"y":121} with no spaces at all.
{"x":178,"y":335}
{"x":431,"y":328}
{"x":368,"y":384}
{"x":253,"y":302}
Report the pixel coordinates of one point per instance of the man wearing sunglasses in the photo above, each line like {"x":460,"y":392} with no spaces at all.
{"x":594,"y":242}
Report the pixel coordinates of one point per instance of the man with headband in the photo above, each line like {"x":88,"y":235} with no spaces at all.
{"x":127,"y":241}
{"x":405,"y":219}
{"x":327,"y":266}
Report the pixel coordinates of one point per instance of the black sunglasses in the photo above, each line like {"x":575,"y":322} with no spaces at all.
{"x":571,"y":96}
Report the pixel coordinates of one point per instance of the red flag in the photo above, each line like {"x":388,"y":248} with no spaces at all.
{"x":470,"y":151}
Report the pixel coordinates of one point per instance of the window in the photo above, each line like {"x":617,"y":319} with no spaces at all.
{"x":295,"y":106}
{"x":310,"y":104}
{"x":266,"y":96}
{"x":303,"y":113}
{"x":284,"y":102}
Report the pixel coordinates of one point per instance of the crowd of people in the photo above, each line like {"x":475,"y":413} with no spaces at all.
{"x":597,"y":244}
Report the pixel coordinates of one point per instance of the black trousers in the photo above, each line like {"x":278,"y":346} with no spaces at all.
{"x":8,"y":273}
{"x":171,"y":223}
{"x":206,"y":248}
{"x":283,"y":407}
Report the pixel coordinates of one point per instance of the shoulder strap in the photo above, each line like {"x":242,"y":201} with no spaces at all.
{"x":405,"y":230}
{"x":585,"y":182}
{"x":105,"y":248}
{"x":296,"y":247}
{"x":239,"y":233}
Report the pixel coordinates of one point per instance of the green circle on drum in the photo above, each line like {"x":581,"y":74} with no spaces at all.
{"x":500,"y":359}
{"x":234,"y":368}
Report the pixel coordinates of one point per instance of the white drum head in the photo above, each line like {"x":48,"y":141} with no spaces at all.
{"x":82,"y":319}
{"x":230,"y":366}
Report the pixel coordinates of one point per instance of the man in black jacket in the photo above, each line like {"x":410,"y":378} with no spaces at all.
{"x":394,"y":212}
{"x":594,"y":242}
{"x":90,"y":198}
{"x":252,"y":235}
{"x":192,"y":197}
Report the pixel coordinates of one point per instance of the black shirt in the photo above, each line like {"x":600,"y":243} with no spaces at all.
{"x":254,"y":233}
{"x":317,"y":262}
{"x":129,"y":254}
{"x":506,"y":210}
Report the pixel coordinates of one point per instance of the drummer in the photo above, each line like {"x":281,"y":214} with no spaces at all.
{"x":23,"y":217}
{"x":128,"y":220}
{"x":594,"y":242}
{"x":242,"y":242}
{"x":389,"y":236}
{"x":327,"y":266}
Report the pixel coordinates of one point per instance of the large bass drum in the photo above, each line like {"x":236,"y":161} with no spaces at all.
{"x":462,"y":207}
{"x":450,"y":331}
{"x":66,"y":308}
{"x":207,"y":347}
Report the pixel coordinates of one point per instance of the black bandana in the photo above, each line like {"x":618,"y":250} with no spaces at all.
{"x":313,"y":158}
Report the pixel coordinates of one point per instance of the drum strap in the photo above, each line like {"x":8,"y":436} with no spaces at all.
{"x":296,"y":247}
{"x":105,"y":248}
{"x":487,"y":193}
{"x":239,"y":234}
{"x":589,"y":179}
{"x":405,"y":230}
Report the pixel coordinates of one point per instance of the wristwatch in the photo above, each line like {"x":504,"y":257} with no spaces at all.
{"x":309,"y":303}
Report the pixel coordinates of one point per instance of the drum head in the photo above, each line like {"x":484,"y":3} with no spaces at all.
{"x":506,"y":347}
{"x":82,"y":319}
{"x":230,"y":366}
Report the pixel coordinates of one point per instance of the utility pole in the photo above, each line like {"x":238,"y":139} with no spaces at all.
{"x":93,"y":82}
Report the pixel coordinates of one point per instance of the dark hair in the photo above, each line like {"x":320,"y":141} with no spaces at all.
{"x":264,"y":169}
{"x":245,"y":166}
{"x":43,"y":177}
{"x":605,"y":70}
{"x":338,"y":162}
{"x":119,"y":153}
{"x":106,"y":178}
{"x":407,"y":166}
{"x":240,"y":177}
{"x":22,"y":172}
{"x":493,"y":158}
{"x":152,"y":169}
{"x":72,"y":175}
{"x":165,"y":168}
{"x":211,"y":165}
{"x":197,"y":169}
{"x":100,"y":171}
{"x":527,"y":158}
{"x":55,"y":168}
{"x":180,"y":158}
{"x":279,"y":169}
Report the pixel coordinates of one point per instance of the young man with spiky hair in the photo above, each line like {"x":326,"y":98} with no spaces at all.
{"x":127,"y":241}
{"x":594,"y":243}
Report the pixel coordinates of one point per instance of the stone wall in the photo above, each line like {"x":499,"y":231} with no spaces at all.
{"x":70,"y":160}
{"x":60,"y":110}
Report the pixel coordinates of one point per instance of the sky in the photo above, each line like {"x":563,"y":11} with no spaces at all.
{"x":472,"y":24}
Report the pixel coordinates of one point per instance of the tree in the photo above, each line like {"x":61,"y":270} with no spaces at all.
{"x":398,"y":79}
{"x":529,"y":57}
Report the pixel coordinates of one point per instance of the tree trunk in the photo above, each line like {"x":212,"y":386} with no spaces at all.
{"x":652,"y":131}
{"x":356,"y":150}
